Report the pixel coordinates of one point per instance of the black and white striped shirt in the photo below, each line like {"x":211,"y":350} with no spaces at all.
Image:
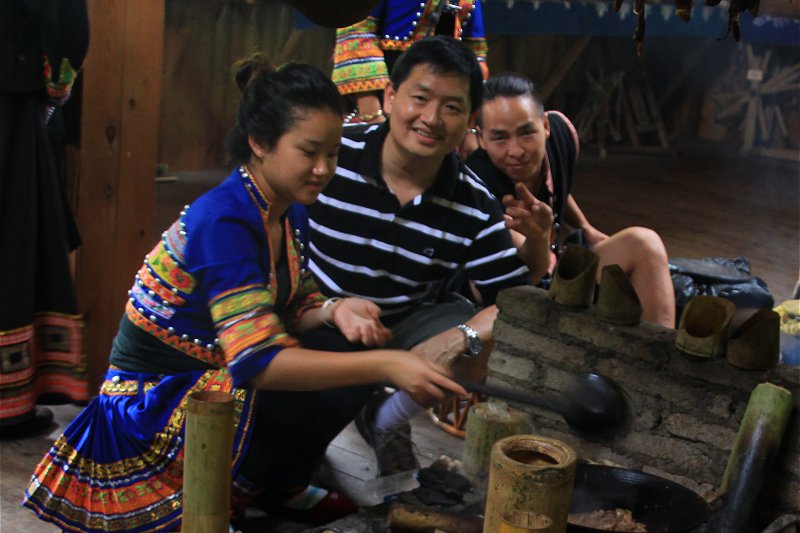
{"x":365,"y":244}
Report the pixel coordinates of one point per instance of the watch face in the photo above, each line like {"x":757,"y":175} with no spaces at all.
{"x":475,"y":346}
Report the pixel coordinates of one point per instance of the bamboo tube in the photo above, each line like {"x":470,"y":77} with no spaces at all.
{"x":755,"y":345}
{"x":487,"y":423}
{"x":705,"y":326}
{"x":207,"y":462}
{"x":617,"y":301}
{"x":754,"y":451}
{"x":575,"y":277}
{"x":530,"y":473}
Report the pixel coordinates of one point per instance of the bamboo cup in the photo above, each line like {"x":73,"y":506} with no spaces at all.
{"x":487,"y":423}
{"x":531,"y":473}
{"x":705,"y":326}
{"x":207,"y":462}
{"x":617,"y":301}
{"x":575,"y":277}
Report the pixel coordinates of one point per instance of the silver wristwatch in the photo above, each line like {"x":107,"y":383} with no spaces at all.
{"x":474,"y":344}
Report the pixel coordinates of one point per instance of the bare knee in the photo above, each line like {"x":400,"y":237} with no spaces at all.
{"x":647,"y":244}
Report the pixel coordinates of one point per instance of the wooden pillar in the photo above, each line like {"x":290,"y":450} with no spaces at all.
{"x":116,"y":164}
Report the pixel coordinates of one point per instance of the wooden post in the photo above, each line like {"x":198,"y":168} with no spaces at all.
{"x":487,"y":423}
{"x":120,"y":100}
{"x":757,"y":444}
{"x":208,"y":455}
{"x":530,"y":473}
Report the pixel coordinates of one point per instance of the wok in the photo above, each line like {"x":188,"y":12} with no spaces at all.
{"x":662,"y":505}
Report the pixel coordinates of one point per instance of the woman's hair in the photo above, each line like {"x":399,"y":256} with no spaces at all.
{"x":273,"y":100}
{"x":444,"y":55}
{"x":510,"y":85}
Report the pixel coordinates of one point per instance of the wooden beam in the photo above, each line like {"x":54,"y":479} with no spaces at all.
{"x":116,"y":164}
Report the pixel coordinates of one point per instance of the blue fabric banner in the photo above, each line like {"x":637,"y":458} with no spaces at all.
{"x":528,"y":17}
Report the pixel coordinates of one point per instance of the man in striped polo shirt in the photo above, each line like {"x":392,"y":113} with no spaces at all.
{"x":402,"y":215}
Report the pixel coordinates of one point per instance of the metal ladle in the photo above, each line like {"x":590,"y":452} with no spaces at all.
{"x":592,"y":404}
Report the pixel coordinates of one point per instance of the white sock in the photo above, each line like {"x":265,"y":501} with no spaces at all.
{"x":397,"y":409}
{"x":307,"y":499}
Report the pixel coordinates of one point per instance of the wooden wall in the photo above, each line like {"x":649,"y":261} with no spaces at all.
{"x":202,"y":40}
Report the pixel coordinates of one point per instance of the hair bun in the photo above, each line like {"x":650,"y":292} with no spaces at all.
{"x":249,"y":68}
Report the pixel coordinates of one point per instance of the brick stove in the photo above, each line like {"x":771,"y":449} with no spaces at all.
{"x":684,"y":411}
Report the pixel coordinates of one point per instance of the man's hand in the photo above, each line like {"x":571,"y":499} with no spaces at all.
{"x":528,"y":215}
{"x":359,"y":321}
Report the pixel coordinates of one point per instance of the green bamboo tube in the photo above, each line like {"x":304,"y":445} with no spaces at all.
{"x":487,"y":423}
{"x":525,"y":522}
{"x":755,"y":345}
{"x":530,"y":473}
{"x":207,"y":462}
{"x":754,"y":451}
{"x":705,"y":326}
{"x":617,"y":301}
{"x":575,"y":277}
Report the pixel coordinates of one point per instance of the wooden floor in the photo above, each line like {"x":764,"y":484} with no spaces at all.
{"x":701,"y":203}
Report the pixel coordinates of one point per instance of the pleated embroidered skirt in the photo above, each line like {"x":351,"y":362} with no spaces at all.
{"x":119,"y":465}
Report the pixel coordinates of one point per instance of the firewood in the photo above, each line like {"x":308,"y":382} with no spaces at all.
{"x":404,"y":516}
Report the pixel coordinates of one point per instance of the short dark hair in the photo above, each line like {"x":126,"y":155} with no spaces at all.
{"x":509,"y":85}
{"x":444,"y":55}
{"x":273,"y":99}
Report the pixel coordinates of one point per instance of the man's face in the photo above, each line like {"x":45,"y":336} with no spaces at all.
{"x":514,"y":134}
{"x":430,"y":113}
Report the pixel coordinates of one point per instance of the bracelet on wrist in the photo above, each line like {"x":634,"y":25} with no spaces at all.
{"x":328,"y":303}
{"x":366,"y":117}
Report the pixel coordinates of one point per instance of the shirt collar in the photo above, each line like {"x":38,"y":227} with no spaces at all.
{"x":370,"y":163}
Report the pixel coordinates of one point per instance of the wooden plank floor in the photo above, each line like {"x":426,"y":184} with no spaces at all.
{"x":702,"y":204}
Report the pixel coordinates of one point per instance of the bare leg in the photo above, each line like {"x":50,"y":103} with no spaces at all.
{"x":642,"y":256}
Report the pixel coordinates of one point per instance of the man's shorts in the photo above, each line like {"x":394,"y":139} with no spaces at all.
{"x":428,"y":320}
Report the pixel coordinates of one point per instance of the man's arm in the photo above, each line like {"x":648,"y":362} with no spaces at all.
{"x":530,"y":221}
{"x":576,"y":219}
{"x":447,"y":348}
{"x":535,"y":253}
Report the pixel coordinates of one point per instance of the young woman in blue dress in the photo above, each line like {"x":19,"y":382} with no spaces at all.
{"x":225,"y":302}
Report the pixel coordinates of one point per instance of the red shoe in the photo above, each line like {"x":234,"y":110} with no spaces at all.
{"x":332,"y":507}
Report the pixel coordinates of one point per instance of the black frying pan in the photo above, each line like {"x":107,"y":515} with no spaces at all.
{"x":662,"y":505}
